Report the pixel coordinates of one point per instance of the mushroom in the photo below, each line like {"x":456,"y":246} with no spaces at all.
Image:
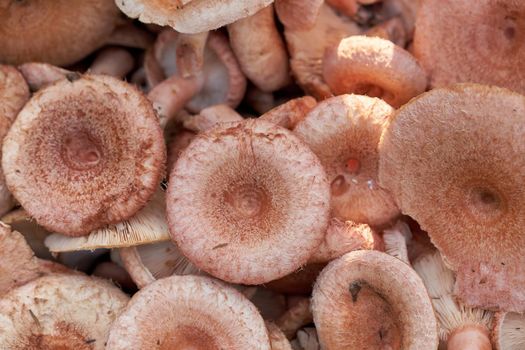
{"x":396,"y":240}
{"x":211,"y":116}
{"x":190,"y":50}
{"x":85,"y":153}
{"x":260,"y":101}
{"x":307,"y":339}
{"x":508,"y":331}
{"x":278,"y":340}
{"x":297,"y":316}
{"x":260,"y":50}
{"x":344,"y":133}
{"x":392,"y":29}
{"x":298,"y":14}
{"x":463,"y":138}
{"x":131,"y":36}
{"x":59,"y":32}
{"x":115,"y":273}
{"x":191,"y":16}
{"x":177,"y":145}
{"x":39,"y":75}
{"x":490,"y":34}
{"x":248,"y":202}
{"x":189,"y":312}
{"x":375,"y":67}
{"x":113,"y":61}
{"x":461,"y":327}
{"x":300,"y":281}
{"x":350,"y":7}
{"x":370,"y":300}
{"x":291,"y":112}
{"x":60,"y":312}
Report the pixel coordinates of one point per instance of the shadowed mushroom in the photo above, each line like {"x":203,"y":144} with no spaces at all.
{"x":60,"y":312}
{"x":178,"y":144}
{"x":113,"y":61}
{"x":60,"y":32}
{"x":491,"y":34}
{"x":300,"y":281}
{"x":344,"y":133}
{"x":396,"y":240}
{"x":291,"y":112}
{"x":298,"y":14}
{"x":260,"y":101}
{"x":130,"y":35}
{"x":297,"y":316}
{"x":189,"y":312}
{"x":461,"y":327}
{"x":116,"y":273}
{"x":211,"y":116}
{"x":191,"y":16}
{"x":84,"y":154}
{"x":370,"y":300}
{"x":350,"y":7}
{"x":391,"y":29}
{"x":278,"y":340}
{"x":260,"y":50}
{"x":464,"y":138}
{"x":248,"y":202}
{"x":374,"y":67}
{"x":508,"y":331}
{"x":307,"y":339}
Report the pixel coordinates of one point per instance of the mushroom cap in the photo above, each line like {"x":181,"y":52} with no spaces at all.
{"x":60,"y":32}
{"x":490,"y":34}
{"x":60,"y":312}
{"x":453,"y":160}
{"x":375,"y":67}
{"x":508,"y":331}
{"x":345,"y":129}
{"x":85,"y":153}
{"x":182,"y":312}
{"x":248,"y":202}
{"x":370,"y":300}
{"x":191,"y":16}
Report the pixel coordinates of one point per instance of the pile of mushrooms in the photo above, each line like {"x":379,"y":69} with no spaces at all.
{"x":258,"y":174}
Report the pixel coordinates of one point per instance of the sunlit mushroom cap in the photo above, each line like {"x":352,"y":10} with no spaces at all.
{"x":508,"y":331}
{"x":453,"y":160}
{"x":60,"y":312}
{"x":189,"y":312}
{"x":60,"y":32}
{"x":344,"y":133}
{"x":457,"y":42}
{"x":370,"y":300}
{"x":248,"y":202}
{"x":191,"y":16}
{"x":82,"y":154}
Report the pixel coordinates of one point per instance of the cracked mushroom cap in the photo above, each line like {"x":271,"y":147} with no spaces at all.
{"x":248,"y":202}
{"x":344,"y":132}
{"x":375,"y":67}
{"x":370,"y":300}
{"x":191,"y":16}
{"x":508,"y":331}
{"x":60,"y":312}
{"x":85,"y":153}
{"x":459,"y":151}
{"x":189,"y":312}
{"x":491,"y":34}
{"x":60,"y":32}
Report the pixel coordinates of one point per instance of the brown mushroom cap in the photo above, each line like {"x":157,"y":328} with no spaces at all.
{"x":82,"y":154}
{"x":490,"y":34}
{"x":375,"y":67}
{"x":191,"y":16}
{"x":248,"y":202}
{"x":370,"y":300}
{"x":508,"y":331}
{"x":344,"y":133}
{"x":60,"y":32}
{"x":60,"y":312}
{"x":183,"y":312}
{"x":453,"y":159}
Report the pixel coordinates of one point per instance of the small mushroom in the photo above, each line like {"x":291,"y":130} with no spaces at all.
{"x":131,"y":36}
{"x":60,"y":312}
{"x":248,"y":202}
{"x":211,"y":116}
{"x":396,"y":240}
{"x":113,"y":61}
{"x":344,"y":133}
{"x":278,"y":340}
{"x":290,"y":113}
{"x":370,"y":300}
{"x":297,"y":316}
{"x":189,"y":51}
{"x":189,"y":312}
{"x":299,"y":282}
{"x":298,"y":14}
{"x":508,"y":331}
{"x":85,"y":153}
{"x":391,"y":29}
{"x":39,"y":75}
{"x":375,"y":67}
{"x":307,"y":339}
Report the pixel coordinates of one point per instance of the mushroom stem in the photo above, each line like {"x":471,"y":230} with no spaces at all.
{"x":396,"y":239}
{"x":190,"y":53}
{"x":473,"y":337}
{"x":116,"y":62}
{"x":39,"y":75}
{"x":210,"y":116}
{"x":298,"y":14}
{"x":295,"y":317}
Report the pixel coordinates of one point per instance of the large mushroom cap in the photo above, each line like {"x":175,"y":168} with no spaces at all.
{"x":84,"y":153}
{"x":370,"y":300}
{"x":189,"y":312}
{"x":344,"y":133}
{"x":60,"y":312}
{"x":59,"y":32}
{"x":508,"y":331}
{"x":491,"y":35}
{"x":453,"y":159}
{"x":191,"y":16}
{"x":248,"y":202}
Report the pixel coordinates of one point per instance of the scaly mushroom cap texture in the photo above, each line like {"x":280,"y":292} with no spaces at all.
{"x":370,"y":300}
{"x":491,"y":34}
{"x":60,"y":32}
{"x":60,"y":312}
{"x":453,"y":159}
{"x":248,"y":202}
{"x":344,"y":132}
{"x":508,"y":331}
{"x":189,"y":312}
{"x":82,"y":154}
{"x":191,"y":16}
